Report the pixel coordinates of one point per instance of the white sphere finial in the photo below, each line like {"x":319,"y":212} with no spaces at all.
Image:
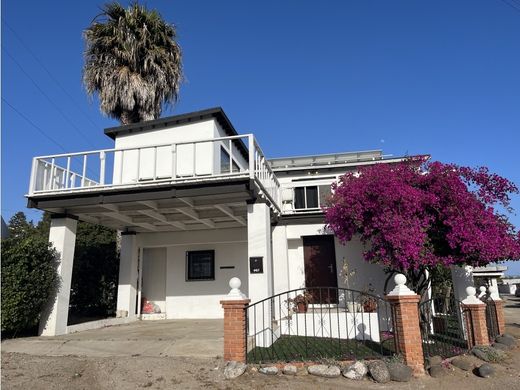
{"x":235,"y":293}
{"x":400,"y":279}
{"x":235,"y":283}
{"x":493,"y":293}
{"x":400,"y":286}
{"x":471,"y":291}
{"x":482,"y":289}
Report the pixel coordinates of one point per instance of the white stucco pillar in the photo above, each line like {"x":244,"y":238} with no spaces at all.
{"x":127,"y":286}
{"x":62,"y":236}
{"x":259,"y":245}
{"x":281,"y":265}
{"x":462,"y":277}
{"x":260,"y":284}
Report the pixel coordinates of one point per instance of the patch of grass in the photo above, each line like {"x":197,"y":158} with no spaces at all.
{"x":301,"y":348}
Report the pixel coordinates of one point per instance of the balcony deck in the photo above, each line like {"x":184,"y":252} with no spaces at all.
{"x":181,"y":186}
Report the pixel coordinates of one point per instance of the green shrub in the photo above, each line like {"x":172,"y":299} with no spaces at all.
{"x":29,"y":279}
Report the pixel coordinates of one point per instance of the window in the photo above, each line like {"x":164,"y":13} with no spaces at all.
{"x":310,"y":197}
{"x":224,"y":161}
{"x":200,"y":265}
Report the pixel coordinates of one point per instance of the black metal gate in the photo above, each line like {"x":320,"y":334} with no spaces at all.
{"x":491,"y":317}
{"x":309,"y":324}
{"x":446,"y":328}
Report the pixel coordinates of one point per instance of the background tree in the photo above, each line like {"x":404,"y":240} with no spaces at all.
{"x":133,"y":62}
{"x":29,"y":276}
{"x":413,"y":216}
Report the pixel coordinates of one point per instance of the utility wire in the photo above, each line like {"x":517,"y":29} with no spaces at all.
{"x":47,"y":97}
{"x":48,"y":72}
{"x":42,"y":132}
{"x":513,"y":4}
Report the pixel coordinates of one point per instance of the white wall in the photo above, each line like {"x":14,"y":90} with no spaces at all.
{"x":351,"y":254}
{"x":200,"y":299}
{"x":185,"y":163}
{"x":154,"y":276}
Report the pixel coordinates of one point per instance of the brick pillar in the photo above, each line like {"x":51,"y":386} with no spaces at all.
{"x":235,"y":306}
{"x":501,"y":319}
{"x":475,"y":316}
{"x":405,"y":305}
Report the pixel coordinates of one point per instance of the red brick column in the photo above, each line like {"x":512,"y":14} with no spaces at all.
{"x":501,"y":319}
{"x":235,"y":329}
{"x":407,"y":330}
{"x":476,"y":324}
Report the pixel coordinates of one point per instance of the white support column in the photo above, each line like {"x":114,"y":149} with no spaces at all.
{"x":462,"y":277}
{"x":281,"y":265}
{"x":128,"y":275}
{"x":260,"y":285}
{"x":62,"y":236}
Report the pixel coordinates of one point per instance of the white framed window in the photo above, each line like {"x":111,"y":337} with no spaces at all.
{"x":311,"y":197}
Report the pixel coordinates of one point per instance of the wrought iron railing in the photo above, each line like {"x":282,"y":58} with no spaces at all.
{"x":446,"y":327}
{"x":310,"y":324}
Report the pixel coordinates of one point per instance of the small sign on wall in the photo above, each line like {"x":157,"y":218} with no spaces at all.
{"x":256,"y":265}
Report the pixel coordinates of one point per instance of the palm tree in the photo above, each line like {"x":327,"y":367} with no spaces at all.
{"x":133,"y":62}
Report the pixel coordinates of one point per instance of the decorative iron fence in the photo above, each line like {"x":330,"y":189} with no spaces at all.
{"x":491,"y":317}
{"x":315,"y":323}
{"x":446,"y":328}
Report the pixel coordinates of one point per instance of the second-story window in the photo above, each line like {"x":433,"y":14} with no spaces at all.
{"x":224,"y":161}
{"x":310,"y":197}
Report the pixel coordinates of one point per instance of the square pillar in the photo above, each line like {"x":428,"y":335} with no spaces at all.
{"x":501,"y":319}
{"x":281,"y":265}
{"x":260,"y":285}
{"x":128,"y":275}
{"x":407,"y":331}
{"x":62,"y":236}
{"x":475,"y":316}
{"x":461,"y":277}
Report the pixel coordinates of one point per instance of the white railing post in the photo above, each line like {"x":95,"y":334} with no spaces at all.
{"x":154,"y":175}
{"x":72,"y":180}
{"x":52,"y":174}
{"x":102,"y":167}
{"x":84,"y":173}
{"x":251,"y":146}
{"x":230,"y":156}
{"x":138,"y":165}
{"x":121,"y":159}
{"x":174,"y":161}
{"x":67,"y":173}
{"x":34,"y":173}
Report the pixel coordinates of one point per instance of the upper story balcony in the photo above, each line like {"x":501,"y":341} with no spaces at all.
{"x":201,"y":161}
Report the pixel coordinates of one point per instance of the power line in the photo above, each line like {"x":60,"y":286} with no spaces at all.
{"x":47,"y":96}
{"x":513,"y":4}
{"x":48,"y":72}
{"x":42,"y":132}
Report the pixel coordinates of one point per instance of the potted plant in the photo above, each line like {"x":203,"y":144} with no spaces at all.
{"x":300,"y":302}
{"x":368,"y":302}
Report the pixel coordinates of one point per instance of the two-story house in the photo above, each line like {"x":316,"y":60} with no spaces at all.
{"x":197,"y":204}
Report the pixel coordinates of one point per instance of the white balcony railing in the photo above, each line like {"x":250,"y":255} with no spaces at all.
{"x":194,"y":161}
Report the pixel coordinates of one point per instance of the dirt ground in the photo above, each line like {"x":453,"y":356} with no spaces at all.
{"x":24,"y":371}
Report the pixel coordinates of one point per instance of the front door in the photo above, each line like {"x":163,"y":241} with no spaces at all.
{"x":320,"y":268}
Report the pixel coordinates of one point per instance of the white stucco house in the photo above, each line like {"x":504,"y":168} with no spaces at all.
{"x":197,"y":204}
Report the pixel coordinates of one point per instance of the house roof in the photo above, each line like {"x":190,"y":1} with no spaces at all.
{"x":171,"y":121}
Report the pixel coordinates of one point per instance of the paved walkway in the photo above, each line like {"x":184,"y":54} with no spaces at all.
{"x":195,"y":338}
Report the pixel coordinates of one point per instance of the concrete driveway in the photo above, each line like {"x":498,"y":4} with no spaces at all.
{"x":195,"y":338}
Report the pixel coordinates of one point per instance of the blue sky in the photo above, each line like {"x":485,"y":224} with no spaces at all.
{"x":307,"y":77}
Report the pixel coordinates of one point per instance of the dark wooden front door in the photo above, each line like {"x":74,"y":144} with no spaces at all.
{"x":320,"y":268}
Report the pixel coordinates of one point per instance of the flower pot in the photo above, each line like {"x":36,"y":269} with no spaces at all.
{"x":369,"y":306}
{"x":301,"y":307}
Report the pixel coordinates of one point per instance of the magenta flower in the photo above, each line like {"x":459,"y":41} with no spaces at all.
{"x":413,"y":215}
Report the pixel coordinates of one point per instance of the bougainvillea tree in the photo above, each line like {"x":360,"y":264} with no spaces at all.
{"x":417,"y":215}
